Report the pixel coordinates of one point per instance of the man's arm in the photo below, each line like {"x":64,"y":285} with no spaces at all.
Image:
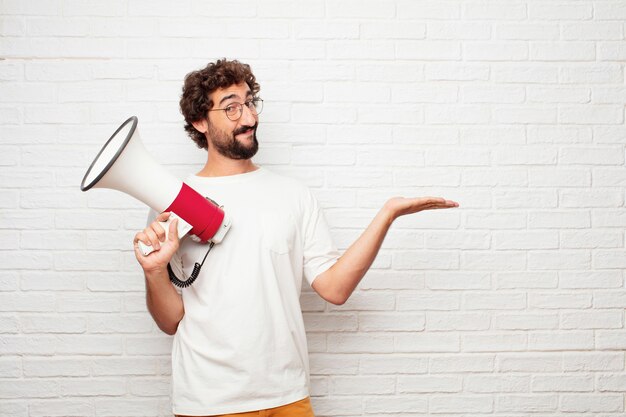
{"x":164,"y":303}
{"x":339,"y":281}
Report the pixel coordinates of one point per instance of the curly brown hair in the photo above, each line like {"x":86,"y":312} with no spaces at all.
{"x":195,"y":101}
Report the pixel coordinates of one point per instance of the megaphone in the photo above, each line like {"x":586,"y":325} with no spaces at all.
{"x":123,"y":164}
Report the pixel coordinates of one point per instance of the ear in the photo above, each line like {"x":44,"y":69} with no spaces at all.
{"x":201,"y":125}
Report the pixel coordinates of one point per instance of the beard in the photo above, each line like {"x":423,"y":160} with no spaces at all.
{"x":228,"y":145}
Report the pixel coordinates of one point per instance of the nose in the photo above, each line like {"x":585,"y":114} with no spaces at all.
{"x":248,"y":116}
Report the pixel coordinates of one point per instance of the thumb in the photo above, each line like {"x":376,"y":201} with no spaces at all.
{"x":172,"y":234}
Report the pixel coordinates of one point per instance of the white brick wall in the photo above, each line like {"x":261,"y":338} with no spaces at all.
{"x":513,"y":304}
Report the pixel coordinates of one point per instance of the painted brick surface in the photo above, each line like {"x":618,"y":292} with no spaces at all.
{"x":512,"y":304}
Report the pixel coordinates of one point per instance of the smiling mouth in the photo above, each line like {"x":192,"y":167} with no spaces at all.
{"x":246,"y":132}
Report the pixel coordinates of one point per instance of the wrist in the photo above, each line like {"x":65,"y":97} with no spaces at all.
{"x":388,"y":214}
{"x":156,"y":274}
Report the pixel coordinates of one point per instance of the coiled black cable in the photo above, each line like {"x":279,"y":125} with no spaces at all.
{"x":194,"y":274}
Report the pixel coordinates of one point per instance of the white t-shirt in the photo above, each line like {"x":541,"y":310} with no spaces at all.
{"x":241,"y":345}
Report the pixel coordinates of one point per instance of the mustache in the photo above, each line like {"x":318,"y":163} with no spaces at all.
{"x":244,"y":129}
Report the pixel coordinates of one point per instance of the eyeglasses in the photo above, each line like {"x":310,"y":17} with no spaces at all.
{"x":234,"y":111}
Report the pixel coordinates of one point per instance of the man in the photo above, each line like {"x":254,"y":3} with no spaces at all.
{"x":240,"y":344}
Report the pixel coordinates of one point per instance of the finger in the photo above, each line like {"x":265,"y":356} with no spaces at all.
{"x":173,"y":231}
{"x":153,"y":240}
{"x":163,"y":216}
{"x":157,"y":228}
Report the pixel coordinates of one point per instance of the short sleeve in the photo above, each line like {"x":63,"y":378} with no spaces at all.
{"x":320,"y":253}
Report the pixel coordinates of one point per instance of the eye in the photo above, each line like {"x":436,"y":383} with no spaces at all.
{"x":230,"y":109}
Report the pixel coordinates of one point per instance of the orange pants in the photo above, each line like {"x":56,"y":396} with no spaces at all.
{"x":300,"y":408}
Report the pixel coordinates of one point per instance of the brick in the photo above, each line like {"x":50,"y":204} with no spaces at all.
{"x":456,"y":71}
{"x":334,"y":364}
{"x":456,"y":240}
{"x":10,"y":368}
{"x":492,"y":94}
{"x":424,"y":302}
{"x":458,"y":280}
{"x":559,"y":301}
{"x":495,"y":51}
{"x":602,"y":198}
{"x":611,"y":383}
{"x":457,"y":114}
{"x":593,"y":361}
{"x":392,"y":364}
{"x":590,"y":279}
{"x":525,"y":74}
{"x":557,"y":341}
{"x":525,"y":199}
{"x":461,"y":404}
{"x":556,"y":219}
{"x":546,"y":260}
{"x":610,"y":340}
{"x":527,"y":403}
{"x":526,"y":31}
{"x":592,"y":403}
{"x":562,"y":51}
{"x":529,"y":279}
{"x":358,"y":50}
{"x":399,"y":29}
{"x":558,"y":95}
{"x":395,"y":404}
{"x":526,"y":321}
{"x":115,"y":407}
{"x":609,"y":259}
{"x":457,"y":321}
{"x":596,"y":114}
{"x":525,"y":115}
{"x":462,"y":363}
{"x":429,"y":384}
{"x":559,"y":134}
{"x":493,"y":261}
{"x":591,"y":74}
{"x":55,"y":367}
{"x":611,"y":51}
{"x":497,"y":384}
{"x":560,"y":11}
{"x":407,"y":9}
{"x":360,"y":343}
{"x":530,"y":362}
{"x":427,"y":342}
{"x":428,"y":50}
{"x":390,"y":322}
{"x":92,"y":387}
{"x":47,"y":324}
{"x":591,"y":239}
{"x":592,"y":320}
{"x":559,"y":177}
{"x":494,"y":342}
{"x":514,"y":177}
{"x":362,"y":385}
{"x":495,"y":220}
{"x":446,"y":30}
{"x":591,"y":31}
{"x":494,"y":301}
{"x":490,"y":10}
{"x":525,"y":240}
{"x":610,"y":10}
{"x":609,"y":299}
{"x":150,"y":387}
{"x":326,"y":30}
{"x":390,"y":72}
{"x":330,"y":322}
{"x":438,"y":260}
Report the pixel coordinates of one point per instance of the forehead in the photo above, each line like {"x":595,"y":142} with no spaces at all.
{"x":236,"y":91}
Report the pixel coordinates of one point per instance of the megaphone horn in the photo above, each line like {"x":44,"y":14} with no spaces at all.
{"x":123,"y":164}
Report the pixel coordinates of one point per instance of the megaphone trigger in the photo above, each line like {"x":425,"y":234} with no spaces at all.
{"x":183,"y":228}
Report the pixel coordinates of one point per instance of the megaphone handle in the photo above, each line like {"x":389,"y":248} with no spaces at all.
{"x":183,"y":229}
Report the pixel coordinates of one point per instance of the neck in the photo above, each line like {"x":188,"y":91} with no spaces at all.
{"x":220,"y":166}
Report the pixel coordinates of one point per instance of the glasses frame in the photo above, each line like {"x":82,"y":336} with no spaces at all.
{"x":240,"y":106}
